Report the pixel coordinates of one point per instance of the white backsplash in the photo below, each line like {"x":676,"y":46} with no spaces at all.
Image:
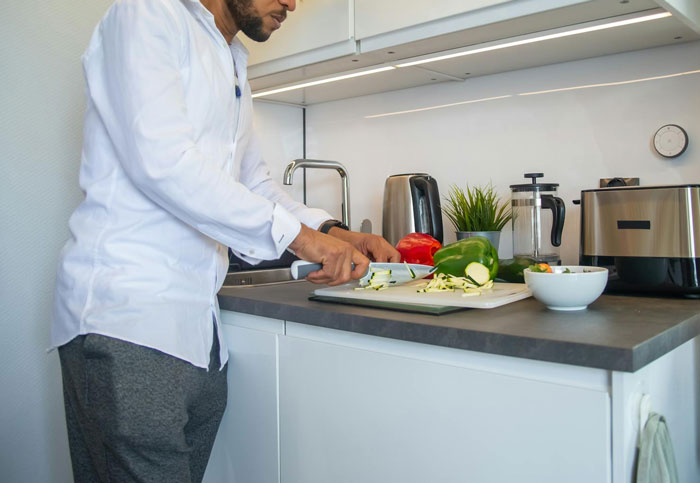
{"x":280,"y":129}
{"x":573,"y":136}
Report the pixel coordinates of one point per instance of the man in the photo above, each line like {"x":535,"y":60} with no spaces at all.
{"x":172,"y":176}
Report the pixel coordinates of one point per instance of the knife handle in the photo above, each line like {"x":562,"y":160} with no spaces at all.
{"x":301,"y":268}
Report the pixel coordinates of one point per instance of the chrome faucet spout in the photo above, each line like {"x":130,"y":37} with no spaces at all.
{"x":322,"y":164}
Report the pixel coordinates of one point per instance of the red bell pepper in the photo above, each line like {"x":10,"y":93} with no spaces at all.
{"x":418,"y":248}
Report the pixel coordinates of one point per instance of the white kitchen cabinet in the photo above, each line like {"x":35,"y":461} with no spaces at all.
{"x":381,"y":34}
{"x":671,"y":383}
{"x":246,"y":448}
{"x":375,"y":17}
{"x":426,"y":27}
{"x":308,"y":404}
{"x":351,"y":414}
{"x":687,"y":10}
{"x":318,"y":30}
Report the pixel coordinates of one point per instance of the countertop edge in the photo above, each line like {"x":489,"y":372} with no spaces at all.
{"x":563,"y":352}
{"x":664,"y":343}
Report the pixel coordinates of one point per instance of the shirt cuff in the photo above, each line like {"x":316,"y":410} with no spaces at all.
{"x":313,"y":217}
{"x":285,"y":228}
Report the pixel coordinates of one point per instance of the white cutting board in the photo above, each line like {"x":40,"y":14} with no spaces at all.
{"x":500,"y":294}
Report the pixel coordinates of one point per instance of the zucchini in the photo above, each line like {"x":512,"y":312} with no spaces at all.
{"x":477,"y":273}
{"x":511,"y":269}
{"x":410,"y":271}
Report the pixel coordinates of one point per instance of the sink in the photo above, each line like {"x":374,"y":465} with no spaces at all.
{"x":255,"y":278}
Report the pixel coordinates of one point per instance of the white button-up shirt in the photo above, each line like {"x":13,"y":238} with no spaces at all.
{"x":172,"y":175}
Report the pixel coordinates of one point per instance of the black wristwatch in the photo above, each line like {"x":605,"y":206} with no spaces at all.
{"x":327,"y":225}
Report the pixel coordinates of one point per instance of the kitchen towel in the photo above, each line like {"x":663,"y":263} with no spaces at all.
{"x":656,"y":463}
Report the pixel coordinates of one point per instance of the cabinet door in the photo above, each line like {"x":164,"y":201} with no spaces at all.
{"x":246,"y":445}
{"x":317,"y":30}
{"x":374,"y":17}
{"x":350,"y":415}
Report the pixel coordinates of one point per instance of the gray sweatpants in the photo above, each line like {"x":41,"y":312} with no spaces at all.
{"x":135,"y":414}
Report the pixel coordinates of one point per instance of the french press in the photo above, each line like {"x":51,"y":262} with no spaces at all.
{"x":538,"y":220}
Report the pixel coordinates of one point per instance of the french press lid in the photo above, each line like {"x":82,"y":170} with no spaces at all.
{"x":534,"y":186}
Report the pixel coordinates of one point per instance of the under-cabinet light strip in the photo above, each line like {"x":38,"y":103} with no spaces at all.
{"x":323,"y":81}
{"x":607,"y":84}
{"x":420,"y":109}
{"x":533,"y":93}
{"x":567,"y":33}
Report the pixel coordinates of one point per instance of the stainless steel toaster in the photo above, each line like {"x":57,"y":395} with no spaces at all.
{"x":647,"y":236}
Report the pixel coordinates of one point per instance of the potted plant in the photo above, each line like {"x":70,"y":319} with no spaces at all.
{"x":477,"y":212}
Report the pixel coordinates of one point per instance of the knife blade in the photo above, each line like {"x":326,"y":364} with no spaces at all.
{"x":400,"y":272}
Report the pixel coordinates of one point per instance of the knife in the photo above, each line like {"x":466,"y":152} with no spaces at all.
{"x":400,"y":272}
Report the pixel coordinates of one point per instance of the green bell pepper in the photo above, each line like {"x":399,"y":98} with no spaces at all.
{"x":452,"y":259}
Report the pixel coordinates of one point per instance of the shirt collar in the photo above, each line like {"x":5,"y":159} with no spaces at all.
{"x":238,"y":50}
{"x":236,"y":46}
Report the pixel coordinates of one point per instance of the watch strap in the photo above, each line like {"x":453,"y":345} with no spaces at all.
{"x":327,"y":225}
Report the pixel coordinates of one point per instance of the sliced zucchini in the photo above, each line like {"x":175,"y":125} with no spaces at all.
{"x":410,"y":271}
{"x":375,"y":278}
{"x":477,"y":273}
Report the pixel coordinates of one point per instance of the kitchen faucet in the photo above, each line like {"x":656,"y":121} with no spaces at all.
{"x":317,"y":163}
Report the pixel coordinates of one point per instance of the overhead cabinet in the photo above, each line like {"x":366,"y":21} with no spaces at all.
{"x":379,"y":24}
{"x":327,"y":38}
{"x":318,"y":30}
{"x":377,"y":17}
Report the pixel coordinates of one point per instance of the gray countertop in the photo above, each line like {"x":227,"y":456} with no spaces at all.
{"x":616,"y":332}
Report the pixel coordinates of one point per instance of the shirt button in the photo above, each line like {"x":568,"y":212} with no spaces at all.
{"x":252,"y":252}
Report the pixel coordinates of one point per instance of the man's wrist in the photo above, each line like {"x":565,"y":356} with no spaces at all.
{"x":300,"y":239}
{"x":338,"y":232}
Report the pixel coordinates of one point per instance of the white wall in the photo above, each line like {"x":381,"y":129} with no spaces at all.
{"x":41,"y":101}
{"x":281,"y":134}
{"x":575,"y":137}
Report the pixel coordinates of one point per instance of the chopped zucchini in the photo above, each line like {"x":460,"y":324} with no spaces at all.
{"x":477,"y":273}
{"x":410,"y":271}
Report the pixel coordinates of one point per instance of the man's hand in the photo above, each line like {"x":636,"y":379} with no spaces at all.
{"x":374,"y":247}
{"x":336,"y":256}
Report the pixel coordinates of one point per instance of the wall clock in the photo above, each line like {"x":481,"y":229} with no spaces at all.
{"x":670,"y":141}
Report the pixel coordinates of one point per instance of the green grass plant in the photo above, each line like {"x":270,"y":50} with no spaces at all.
{"x":476,"y":209}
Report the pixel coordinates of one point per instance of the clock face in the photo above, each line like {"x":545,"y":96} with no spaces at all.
{"x":670,"y":141}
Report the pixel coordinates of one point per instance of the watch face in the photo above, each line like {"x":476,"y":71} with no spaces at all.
{"x":670,"y":141}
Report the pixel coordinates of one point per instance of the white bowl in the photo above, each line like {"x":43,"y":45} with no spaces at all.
{"x":567,"y":291}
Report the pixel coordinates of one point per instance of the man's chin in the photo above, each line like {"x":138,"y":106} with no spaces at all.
{"x":259,"y":35}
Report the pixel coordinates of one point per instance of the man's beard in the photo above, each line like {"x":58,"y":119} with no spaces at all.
{"x":247,"y":19}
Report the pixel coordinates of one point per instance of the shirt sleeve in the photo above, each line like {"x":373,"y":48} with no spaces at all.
{"x":134,"y":80}
{"x":255,"y":174}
